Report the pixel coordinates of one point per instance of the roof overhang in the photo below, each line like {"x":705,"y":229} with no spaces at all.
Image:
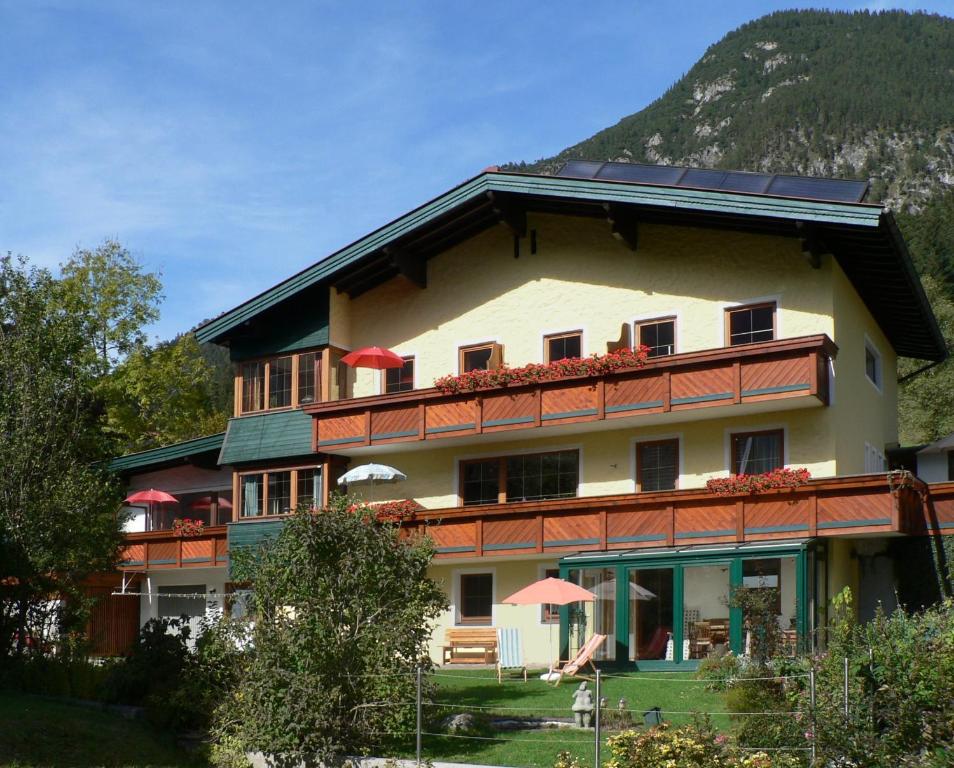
{"x":864,"y":238}
{"x":202,"y":452}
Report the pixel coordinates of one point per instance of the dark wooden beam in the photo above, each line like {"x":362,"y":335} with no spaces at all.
{"x":812,"y":247}
{"x":624,"y":226}
{"x":412,"y":266}
{"x":512,"y":215}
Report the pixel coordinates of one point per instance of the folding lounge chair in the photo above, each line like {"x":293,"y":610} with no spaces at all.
{"x":509,"y":652}
{"x":583,"y":657}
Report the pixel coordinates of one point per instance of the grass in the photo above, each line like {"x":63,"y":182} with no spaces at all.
{"x":40,"y":733}
{"x":477,"y":691}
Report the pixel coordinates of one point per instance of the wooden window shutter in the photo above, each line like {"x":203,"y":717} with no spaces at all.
{"x":624,"y":342}
{"x":496,"y":357}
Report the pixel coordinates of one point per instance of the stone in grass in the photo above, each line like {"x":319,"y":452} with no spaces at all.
{"x":464,"y":724}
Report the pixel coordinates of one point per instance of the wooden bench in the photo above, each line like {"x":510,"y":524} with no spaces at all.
{"x":470,"y":645}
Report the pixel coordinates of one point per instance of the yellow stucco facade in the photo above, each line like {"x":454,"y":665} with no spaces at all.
{"x":582,"y":279}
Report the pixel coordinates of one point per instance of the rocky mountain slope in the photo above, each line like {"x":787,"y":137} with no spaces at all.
{"x":858,"y":95}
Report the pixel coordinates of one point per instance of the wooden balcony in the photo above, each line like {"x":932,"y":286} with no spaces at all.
{"x":766,"y":376}
{"x":155,"y":550}
{"x":847,"y":506}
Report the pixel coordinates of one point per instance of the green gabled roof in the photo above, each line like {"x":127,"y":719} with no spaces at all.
{"x":169,"y":454}
{"x":492,"y":182}
{"x":281,"y":434}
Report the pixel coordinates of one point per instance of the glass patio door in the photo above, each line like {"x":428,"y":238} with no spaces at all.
{"x":705,"y":610}
{"x":651,"y":609}
{"x":598,"y":617}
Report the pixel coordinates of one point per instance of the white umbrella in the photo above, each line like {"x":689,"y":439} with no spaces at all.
{"x":606,"y":590}
{"x":373,"y":473}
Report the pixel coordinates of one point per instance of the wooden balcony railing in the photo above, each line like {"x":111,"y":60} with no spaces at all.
{"x":864,"y":504}
{"x":164,"y":549}
{"x":777,"y":370}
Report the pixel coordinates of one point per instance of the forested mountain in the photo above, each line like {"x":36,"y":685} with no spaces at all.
{"x":854,"y":95}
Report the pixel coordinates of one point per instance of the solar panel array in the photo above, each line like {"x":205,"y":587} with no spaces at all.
{"x":805,"y":187}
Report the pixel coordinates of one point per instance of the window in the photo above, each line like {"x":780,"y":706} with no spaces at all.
{"x":757,"y":452}
{"x":280,"y":382}
{"x":526,"y":477}
{"x":308,"y":367}
{"x":542,"y":476}
{"x":400,"y":379}
{"x":279,"y":492}
{"x":658,"y":336}
{"x":480,"y":482}
{"x":480,"y":357}
{"x":950,"y":465}
{"x":253,"y":387}
{"x":550,"y":612}
{"x":275,"y":383}
{"x":252,"y":496}
{"x":563,"y":346}
{"x":657,"y":465}
{"x":309,"y":487}
{"x":747,"y":325}
{"x":873,"y":364}
{"x":476,"y":598}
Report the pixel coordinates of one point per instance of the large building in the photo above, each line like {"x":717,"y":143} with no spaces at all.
{"x":773,"y":310}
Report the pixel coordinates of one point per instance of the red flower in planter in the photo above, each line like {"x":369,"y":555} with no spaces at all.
{"x":535,"y":373}
{"x":402,"y":510}
{"x":184,"y":526}
{"x":777,"y":478}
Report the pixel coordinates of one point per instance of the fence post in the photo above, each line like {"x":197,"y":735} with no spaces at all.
{"x":811,"y":688}
{"x":846,"y":687}
{"x":419,"y":706}
{"x":596,"y":723}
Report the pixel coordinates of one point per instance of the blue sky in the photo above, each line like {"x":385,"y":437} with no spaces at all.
{"x":230,"y":144}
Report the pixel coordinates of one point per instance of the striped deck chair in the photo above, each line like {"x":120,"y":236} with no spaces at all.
{"x":509,"y":652}
{"x":583,"y":657}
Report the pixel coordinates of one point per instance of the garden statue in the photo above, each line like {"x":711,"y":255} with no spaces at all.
{"x":582,"y":706}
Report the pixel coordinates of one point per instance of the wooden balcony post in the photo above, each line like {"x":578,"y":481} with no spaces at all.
{"x":178,"y":552}
{"x":670,"y":525}
{"x":538,"y":407}
{"x":421,"y":421}
{"x":367,"y":426}
{"x":737,"y":382}
{"x":478,"y":414}
{"x":601,"y":400}
{"x":479,"y":537}
{"x":603,"y":537}
{"x":740,"y":520}
{"x":539,"y":533}
{"x":813,"y":515}
{"x":667,"y":392}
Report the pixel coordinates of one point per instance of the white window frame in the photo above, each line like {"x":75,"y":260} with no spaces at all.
{"x":734,"y":430}
{"x":542,"y":573}
{"x":725,"y":306}
{"x":456,"y":595}
{"x":871,"y":347}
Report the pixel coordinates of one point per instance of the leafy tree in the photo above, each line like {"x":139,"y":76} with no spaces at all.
{"x":58,"y":520}
{"x":164,"y":394}
{"x":342,"y":607}
{"x":117,"y":296}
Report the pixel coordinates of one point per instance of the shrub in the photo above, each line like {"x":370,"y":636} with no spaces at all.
{"x":718,"y":670}
{"x":342,"y":605}
{"x":758,"y":612}
{"x":154,"y":665}
{"x":900,"y":680}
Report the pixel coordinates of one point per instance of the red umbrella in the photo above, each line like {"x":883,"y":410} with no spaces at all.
{"x":373,"y":357}
{"x":152,"y":496}
{"x":553,"y":592}
{"x":205,"y":502}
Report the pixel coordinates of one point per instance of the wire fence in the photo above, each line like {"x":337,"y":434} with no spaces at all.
{"x":534,"y":728}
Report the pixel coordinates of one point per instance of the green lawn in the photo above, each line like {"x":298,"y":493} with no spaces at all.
{"x":474,"y":691}
{"x":38,"y":733}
